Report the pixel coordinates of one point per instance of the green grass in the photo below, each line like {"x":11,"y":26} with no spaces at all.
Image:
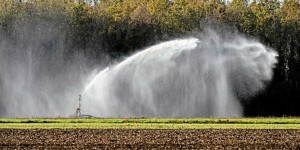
{"x":153,"y":123}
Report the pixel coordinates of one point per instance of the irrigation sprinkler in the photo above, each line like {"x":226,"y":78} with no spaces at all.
{"x":78,"y":110}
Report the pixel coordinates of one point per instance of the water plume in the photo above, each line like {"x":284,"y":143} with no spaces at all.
{"x":190,"y":77}
{"x":39,"y":76}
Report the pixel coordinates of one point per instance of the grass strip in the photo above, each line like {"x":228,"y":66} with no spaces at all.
{"x":151,"y":123}
{"x":143,"y":126}
{"x":157,"y":120}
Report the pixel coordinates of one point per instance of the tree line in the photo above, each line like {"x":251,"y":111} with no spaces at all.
{"x":119,"y":27}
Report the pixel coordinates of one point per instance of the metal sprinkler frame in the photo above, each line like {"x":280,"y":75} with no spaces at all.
{"x":78,"y":110}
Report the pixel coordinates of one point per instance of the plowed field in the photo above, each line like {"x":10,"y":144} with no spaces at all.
{"x":148,"y":139}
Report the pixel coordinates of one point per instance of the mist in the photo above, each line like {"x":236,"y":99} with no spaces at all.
{"x":39,"y":74}
{"x":200,"y":76}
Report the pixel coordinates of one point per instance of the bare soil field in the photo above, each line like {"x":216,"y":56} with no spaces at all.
{"x":148,"y":139}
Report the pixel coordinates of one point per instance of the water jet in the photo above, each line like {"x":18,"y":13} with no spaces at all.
{"x":183,"y":78}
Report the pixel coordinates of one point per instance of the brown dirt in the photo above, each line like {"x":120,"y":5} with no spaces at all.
{"x":148,"y":139}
